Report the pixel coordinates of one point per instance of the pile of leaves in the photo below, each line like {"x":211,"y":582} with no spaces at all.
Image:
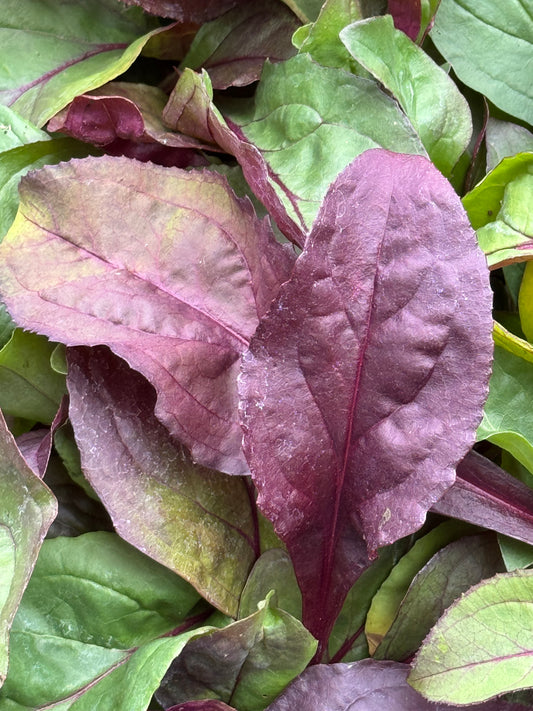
{"x":266,"y":364}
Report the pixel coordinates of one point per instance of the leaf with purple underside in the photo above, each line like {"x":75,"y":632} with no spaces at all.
{"x":367,"y":685}
{"x":186,"y":10}
{"x":27,"y":508}
{"x":102,"y":41}
{"x":233,"y":48}
{"x":485,"y":495}
{"x":36,"y":445}
{"x":383,"y":331}
{"x":191,"y":111}
{"x":172,"y":275}
{"x":197,"y":522}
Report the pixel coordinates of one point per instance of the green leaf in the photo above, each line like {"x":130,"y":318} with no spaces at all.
{"x":246,"y":664}
{"x":504,"y":139}
{"x":449,"y":573}
{"x":7,"y":325}
{"x":27,"y":508}
{"x":303,"y":122}
{"x":93,"y":599}
{"x":273,"y":570}
{"x":305,"y":10}
{"x":28,"y":385}
{"x":18,"y":161}
{"x":15,"y":131}
{"x":483,"y":644}
{"x":489,"y":46}
{"x":525,"y":296}
{"x":508,"y":417}
{"x":498,"y":208}
{"x":386,"y":602}
{"x":515,"y":554}
{"x":79,"y":47}
{"x":321,"y":39}
{"x":429,"y":98}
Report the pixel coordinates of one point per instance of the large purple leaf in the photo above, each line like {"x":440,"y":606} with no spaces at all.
{"x":364,"y":384}
{"x":367,"y":685}
{"x":197,"y":522}
{"x":186,"y":10}
{"x":406,"y":15}
{"x":488,"y":496}
{"x":166,"y":267}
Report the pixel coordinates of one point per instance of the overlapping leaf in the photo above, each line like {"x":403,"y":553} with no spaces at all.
{"x":192,"y":520}
{"x":99,"y":42}
{"x":172,"y":274}
{"x":384,"y":323}
{"x":27,"y":508}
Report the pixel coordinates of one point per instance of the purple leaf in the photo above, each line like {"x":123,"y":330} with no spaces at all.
{"x":166,"y":267}
{"x":202,"y":705}
{"x":488,"y":496}
{"x":249,"y":34}
{"x":365,"y":383}
{"x":192,"y":520}
{"x":36,"y":445}
{"x":407,"y":15}
{"x":367,"y":685}
{"x":186,"y":10}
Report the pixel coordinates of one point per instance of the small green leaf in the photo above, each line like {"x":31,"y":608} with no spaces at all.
{"x":508,"y":417}
{"x":386,"y":602}
{"x":429,"y":98}
{"x":483,"y":644}
{"x":16,"y":131}
{"x":246,"y":664}
{"x":449,"y":573}
{"x":95,"y":599}
{"x":467,"y":33}
{"x":525,"y":296}
{"x":27,"y":508}
{"x":504,"y":139}
{"x":272,"y":571}
{"x":28,"y":385}
{"x":515,"y":554}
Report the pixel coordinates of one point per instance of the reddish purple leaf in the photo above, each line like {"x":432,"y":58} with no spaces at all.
{"x":186,"y":10}
{"x":36,"y":445}
{"x":166,"y":267}
{"x":196,"y":522}
{"x":407,"y":16}
{"x":367,"y":685}
{"x":364,"y":385}
{"x":488,"y":496}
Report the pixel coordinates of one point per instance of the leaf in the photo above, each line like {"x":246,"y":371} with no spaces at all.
{"x":186,"y":10}
{"x":387,"y":601}
{"x":514,"y":344}
{"x":246,"y":664}
{"x":526,"y":292}
{"x":273,"y":570}
{"x":92,"y":598}
{"x":194,"y":521}
{"x":119,"y":110}
{"x":79,"y":48}
{"x":18,"y":161}
{"x":449,"y":573}
{"x":190,"y":110}
{"x":466,"y":33}
{"x":427,"y":95}
{"x":302,"y":120}
{"x":7,"y":326}
{"x":504,"y":139}
{"x":407,"y":16}
{"x":508,"y":419}
{"x":15,"y":131}
{"x":27,"y":508}
{"x":498,"y":210}
{"x":515,"y":554}
{"x":321,"y":39}
{"x":367,"y":685}
{"x":233,"y":48}
{"x":306,"y":10}
{"x":178,"y":309}
{"x":482,"y":646}
{"x":485,"y":495}
{"x":36,"y":445}
{"x":361,"y":348}
{"x":28,"y":385}
{"x":204,"y":705}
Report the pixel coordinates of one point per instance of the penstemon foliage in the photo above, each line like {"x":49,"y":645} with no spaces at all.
{"x":265,"y":360}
